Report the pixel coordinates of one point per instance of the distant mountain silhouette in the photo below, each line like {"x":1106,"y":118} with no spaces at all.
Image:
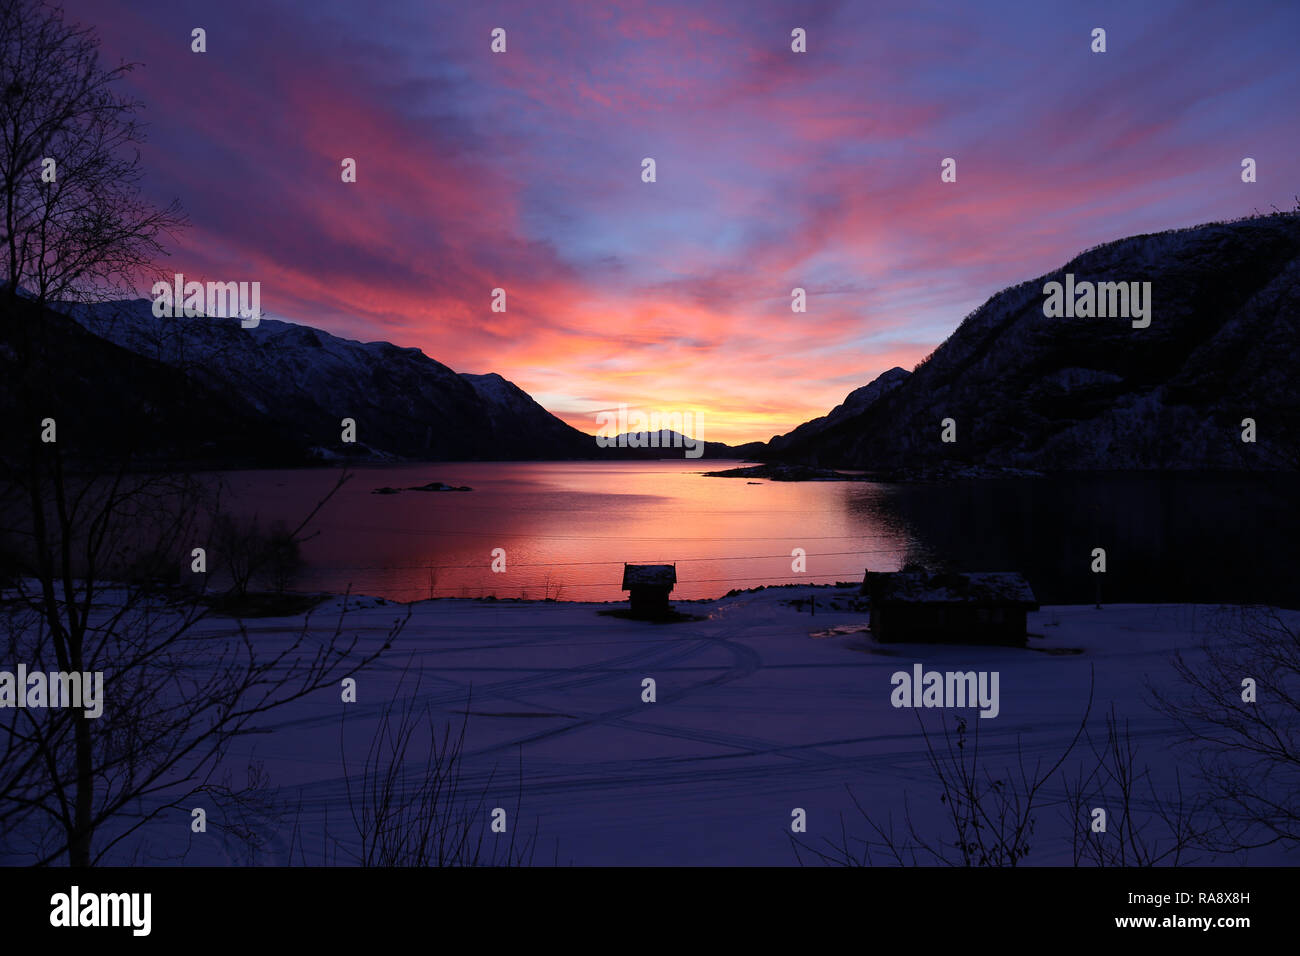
{"x":303,"y":382}
{"x":857,"y":402}
{"x":1054,"y":394}
{"x":110,"y":403}
{"x":667,"y":444}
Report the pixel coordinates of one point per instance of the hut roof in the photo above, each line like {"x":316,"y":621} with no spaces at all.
{"x":1001,"y":588}
{"x":649,"y":575}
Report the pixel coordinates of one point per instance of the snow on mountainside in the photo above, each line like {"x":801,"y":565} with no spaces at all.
{"x":1030,"y":391}
{"x":505,"y":399}
{"x":404,"y":403}
{"x":115,"y":404}
{"x":857,"y":402}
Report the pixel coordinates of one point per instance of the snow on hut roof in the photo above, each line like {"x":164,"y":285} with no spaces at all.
{"x":938,"y":587}
{"x":649,"y":575}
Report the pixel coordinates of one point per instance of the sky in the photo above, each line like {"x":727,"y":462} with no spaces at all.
{"x":819,"y":170}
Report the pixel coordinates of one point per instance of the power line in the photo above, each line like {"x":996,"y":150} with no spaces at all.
{"x":558,"y":586}
{"x":621,"y":537}
{"x":530,"y":508}
{"x":566,"y":564}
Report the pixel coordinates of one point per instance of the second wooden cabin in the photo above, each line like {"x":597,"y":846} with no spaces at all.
{"x":948,"y":607}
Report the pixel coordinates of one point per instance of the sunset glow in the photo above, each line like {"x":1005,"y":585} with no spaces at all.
{"x":774,"y":171}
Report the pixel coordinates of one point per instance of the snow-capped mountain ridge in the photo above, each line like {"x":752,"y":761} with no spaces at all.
{"x":1025,"y":391}
{"x":404,"y":403}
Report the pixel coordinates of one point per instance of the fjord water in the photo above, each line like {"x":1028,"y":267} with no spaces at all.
{"x":567,"y":527}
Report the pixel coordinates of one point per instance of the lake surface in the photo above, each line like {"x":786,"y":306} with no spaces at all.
{"x":567,"y":527}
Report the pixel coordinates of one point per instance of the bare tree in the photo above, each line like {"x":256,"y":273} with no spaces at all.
{"x":1142,"y":826}
{"x":178,"y":688}
{"x":989,"y":815}
{"x":74,"y":222}
{"x":1239,"y":708}
{"x":412,"y":805}
{"x":250,"y":554}
{"x":81,"y":516}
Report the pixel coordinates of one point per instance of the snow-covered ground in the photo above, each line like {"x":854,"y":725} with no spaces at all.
{"x":760,"y":709}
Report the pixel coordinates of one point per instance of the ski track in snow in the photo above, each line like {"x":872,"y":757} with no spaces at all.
{"x":752,"y":719}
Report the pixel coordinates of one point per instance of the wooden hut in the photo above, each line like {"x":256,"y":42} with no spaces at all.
{"x":649,"y":586}
{"x":986,"y":607}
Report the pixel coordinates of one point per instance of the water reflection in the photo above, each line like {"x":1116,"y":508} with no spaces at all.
{"x":566,"y":528}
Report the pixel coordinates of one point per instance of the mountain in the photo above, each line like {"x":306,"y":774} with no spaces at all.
{"x":857,"y":402}
{"x":1058,"y":394}
{"x":306,"y":381}
{"x":667,"y":444}
{"x":110,"y":403}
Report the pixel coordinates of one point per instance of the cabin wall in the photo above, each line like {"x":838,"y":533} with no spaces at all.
{"x":948,"y":624}
{"x":647,"y":600}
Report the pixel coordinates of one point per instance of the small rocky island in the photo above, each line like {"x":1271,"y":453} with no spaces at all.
{"x":431,"y":486}
{"x":942,"y":471}
{"x":778,"y":472}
